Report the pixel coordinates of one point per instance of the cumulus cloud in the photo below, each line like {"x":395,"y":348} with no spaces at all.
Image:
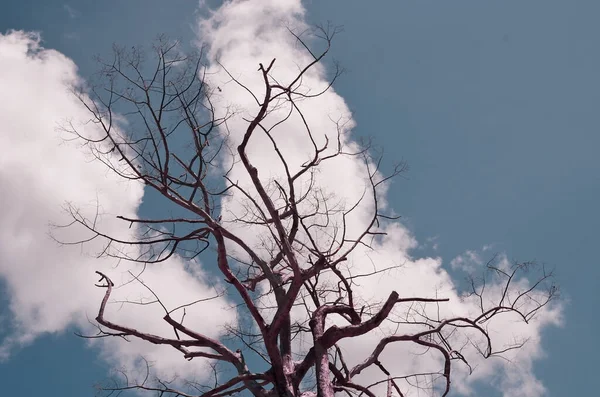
{"x":42,"y":172}
{"x":242,"y":34}
{"x":50,"y":286}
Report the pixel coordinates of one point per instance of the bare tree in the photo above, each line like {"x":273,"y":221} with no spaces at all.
{"x":176,"y":143}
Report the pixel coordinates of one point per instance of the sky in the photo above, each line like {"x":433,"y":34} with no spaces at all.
{"x":491,"y":104}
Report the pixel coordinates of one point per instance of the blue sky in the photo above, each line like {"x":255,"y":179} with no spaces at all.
{"x":492,"y":104}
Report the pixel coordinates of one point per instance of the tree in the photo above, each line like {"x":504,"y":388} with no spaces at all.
{"x":292,"y":281}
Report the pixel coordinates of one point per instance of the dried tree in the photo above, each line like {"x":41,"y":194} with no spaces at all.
{"x":176,"y":143}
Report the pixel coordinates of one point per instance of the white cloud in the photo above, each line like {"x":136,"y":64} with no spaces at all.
{"x":243,"y":34}
{"x":51,"y":287}
{"x":41,"y":172}
{"x":468,"y":261}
